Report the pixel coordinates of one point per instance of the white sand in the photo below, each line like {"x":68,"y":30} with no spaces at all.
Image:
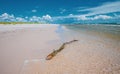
{"x":20,"y":43}
{"x":24,"y":51}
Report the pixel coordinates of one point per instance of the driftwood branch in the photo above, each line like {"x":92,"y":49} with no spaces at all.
{"x":51,"y":55}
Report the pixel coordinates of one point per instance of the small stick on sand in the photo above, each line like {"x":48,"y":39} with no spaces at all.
{"x":51,"y":55}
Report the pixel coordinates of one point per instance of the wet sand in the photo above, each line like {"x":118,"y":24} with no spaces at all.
{"x":23,"y":51}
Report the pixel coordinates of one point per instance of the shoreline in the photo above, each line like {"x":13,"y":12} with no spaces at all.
{"x":25,"y":50}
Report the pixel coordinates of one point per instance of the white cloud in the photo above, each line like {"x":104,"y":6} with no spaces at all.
{"x":35,"y":19}
{"x":47,"y":17}
{"x":7,"y":17}
{"x":34,"y":10}
{"x":20,"y":19}
{"x":82,"y":18}
{"x":95,"y":13}
{"x":44,"y":18}
{"x":101,"y":17}
{"x":97,"y":17}
{"x":70,"y":14}
{"x":103,"y":9}
{"x":11,"y":18}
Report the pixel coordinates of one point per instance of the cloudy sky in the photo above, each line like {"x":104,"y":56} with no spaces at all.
{"x":60,"y":11}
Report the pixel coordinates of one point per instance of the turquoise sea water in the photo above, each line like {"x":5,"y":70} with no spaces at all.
{"x":112,"y":29}
{"x":109,"y":31}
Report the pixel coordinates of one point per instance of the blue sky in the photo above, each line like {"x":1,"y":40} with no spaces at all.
{"x":60,"y":11}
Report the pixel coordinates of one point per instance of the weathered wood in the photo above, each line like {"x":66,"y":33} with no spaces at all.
{"x":51,"y":55}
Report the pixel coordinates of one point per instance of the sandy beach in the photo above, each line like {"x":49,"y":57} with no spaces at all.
{"x":23,"y":49}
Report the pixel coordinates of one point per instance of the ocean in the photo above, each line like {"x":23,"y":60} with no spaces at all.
{"x":111,"y":31}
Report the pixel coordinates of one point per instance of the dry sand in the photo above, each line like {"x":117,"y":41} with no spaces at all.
{"x":23,"y":51}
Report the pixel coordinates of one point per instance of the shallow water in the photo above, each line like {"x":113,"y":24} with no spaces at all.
{"x":109,"y":31}
{"x":113,"y":29}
